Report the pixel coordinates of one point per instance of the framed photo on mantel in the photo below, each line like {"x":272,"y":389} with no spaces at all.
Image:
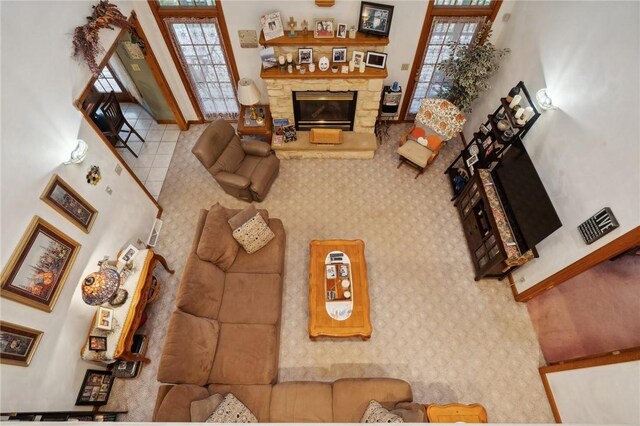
{"x":272,"y":25}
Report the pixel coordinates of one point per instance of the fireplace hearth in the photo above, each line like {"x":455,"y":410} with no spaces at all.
{"x":324,"y":109}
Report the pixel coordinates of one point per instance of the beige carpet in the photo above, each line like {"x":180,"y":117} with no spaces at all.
{"x":453,"y":339}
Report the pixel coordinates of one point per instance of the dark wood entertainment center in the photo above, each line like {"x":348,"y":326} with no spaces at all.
{"x":498,"y":244}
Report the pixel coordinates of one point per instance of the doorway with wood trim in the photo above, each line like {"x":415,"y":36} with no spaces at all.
{"x":445,"y":21}
{"x":130,"y":66}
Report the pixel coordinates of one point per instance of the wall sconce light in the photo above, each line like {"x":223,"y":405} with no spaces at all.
{"x":545,"y":102}
{"x":78,"y":154}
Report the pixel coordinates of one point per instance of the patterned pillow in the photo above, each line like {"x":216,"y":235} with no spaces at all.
{"x":253,"y":234}
{"x":231,"y":410}
{"x":376,"y":413}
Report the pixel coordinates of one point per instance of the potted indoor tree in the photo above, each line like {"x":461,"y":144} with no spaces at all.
{"x":469,"y":67}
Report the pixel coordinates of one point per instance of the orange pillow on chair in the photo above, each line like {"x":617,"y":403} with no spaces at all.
{"x":416,"y":133}
{"x":434,"y":142}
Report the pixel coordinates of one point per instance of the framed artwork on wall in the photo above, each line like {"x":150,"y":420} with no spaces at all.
{"x":18,"y":344}
{"x":323,"y":28}
{"x":376,"y":60}
{"x":95,"y":388}
{"x":63,"y":199}
{"x":375,"y":18}
{"x":39,"y":266}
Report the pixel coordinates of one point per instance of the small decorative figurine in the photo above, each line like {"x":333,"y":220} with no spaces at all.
{"x":292,"y":27}
{"x":305,"y":27}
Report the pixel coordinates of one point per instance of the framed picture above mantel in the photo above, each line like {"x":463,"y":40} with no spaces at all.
{"x":375,"y":18}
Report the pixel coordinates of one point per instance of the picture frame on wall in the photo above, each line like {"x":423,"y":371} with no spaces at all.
{"x":18,"y":344}
{"x":357,"y":58}
{"x":305,"y":55}
{"x":323,"y":28}
{"x":272,"y":25}
{"x":65,"y":200}
{"x":339,"y":54}
{"x":376,"y":60}
{"x":96,"y":388}
{"x":375,"y":18}
{"x":39,"y":265}
{"x":341,"y":31}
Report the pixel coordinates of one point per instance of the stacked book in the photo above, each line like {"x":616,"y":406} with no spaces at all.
{"x":283,"y":131}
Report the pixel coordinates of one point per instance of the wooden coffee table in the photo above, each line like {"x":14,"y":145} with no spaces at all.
{"x":358,"y":324}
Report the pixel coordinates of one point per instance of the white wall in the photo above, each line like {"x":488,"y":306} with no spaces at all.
{"x":406,"y":24}
{"x":40,"y":80}
{"x":587,"y":151}
{"x":607,"y":394}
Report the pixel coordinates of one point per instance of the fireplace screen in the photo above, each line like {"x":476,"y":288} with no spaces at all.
{"x":329,"y":110}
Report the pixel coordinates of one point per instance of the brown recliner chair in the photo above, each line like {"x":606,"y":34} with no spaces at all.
{"x":244,"y":169}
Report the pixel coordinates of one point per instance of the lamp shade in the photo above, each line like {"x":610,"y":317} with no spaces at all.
{"x":248,"y":93}
{"x":99,"y":287}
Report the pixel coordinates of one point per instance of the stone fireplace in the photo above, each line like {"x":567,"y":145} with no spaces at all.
{"x":281,"y":95}
{"x":330,"y":110}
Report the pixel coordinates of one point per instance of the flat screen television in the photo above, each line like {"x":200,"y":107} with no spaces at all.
{"x":526,"y":199}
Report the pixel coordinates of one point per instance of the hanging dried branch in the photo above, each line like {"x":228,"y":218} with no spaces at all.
{"x":86,"y":38}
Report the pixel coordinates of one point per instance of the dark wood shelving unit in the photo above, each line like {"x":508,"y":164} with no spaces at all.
{"x":492,"y":145}
{"x":61,"y":416}
{"x":485,"y":238}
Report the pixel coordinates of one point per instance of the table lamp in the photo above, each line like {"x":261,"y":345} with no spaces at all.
{"x":103,"y":286}
{"x":248,"y":95}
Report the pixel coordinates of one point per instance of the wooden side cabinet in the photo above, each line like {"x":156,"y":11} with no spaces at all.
{"x":480,"y":230}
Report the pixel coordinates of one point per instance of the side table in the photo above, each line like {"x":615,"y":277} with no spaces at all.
{"x":454,"y":413}
{"x":128,"y":316}
{"x":264,"y":129}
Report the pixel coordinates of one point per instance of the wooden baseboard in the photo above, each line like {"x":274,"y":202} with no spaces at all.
{"x":166,"y":121}
{"x":606,"y":252}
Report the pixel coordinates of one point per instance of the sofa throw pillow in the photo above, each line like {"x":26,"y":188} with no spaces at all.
{"x":217,"y":244}
{"x":202,"y":409}
{"x":231,"y":410}
{"x":244,"y":215}
{"x":376,"y":413}
{"x":253,"y":234}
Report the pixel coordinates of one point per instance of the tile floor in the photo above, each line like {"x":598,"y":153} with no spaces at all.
{"x":154,"y":155}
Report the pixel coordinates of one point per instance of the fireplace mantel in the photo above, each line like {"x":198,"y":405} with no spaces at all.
{"x":276,"y":74}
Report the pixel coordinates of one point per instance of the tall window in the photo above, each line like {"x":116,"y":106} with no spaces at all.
{"x":106,"y":82}
{"x":443,"y":31}
{"x":446,"y":21}
{"x":196,"y":34}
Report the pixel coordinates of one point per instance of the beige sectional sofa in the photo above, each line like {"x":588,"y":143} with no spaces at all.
{"x":224,"y":337}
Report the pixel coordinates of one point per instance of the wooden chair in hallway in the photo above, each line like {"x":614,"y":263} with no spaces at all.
{"x":116,"y":122}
